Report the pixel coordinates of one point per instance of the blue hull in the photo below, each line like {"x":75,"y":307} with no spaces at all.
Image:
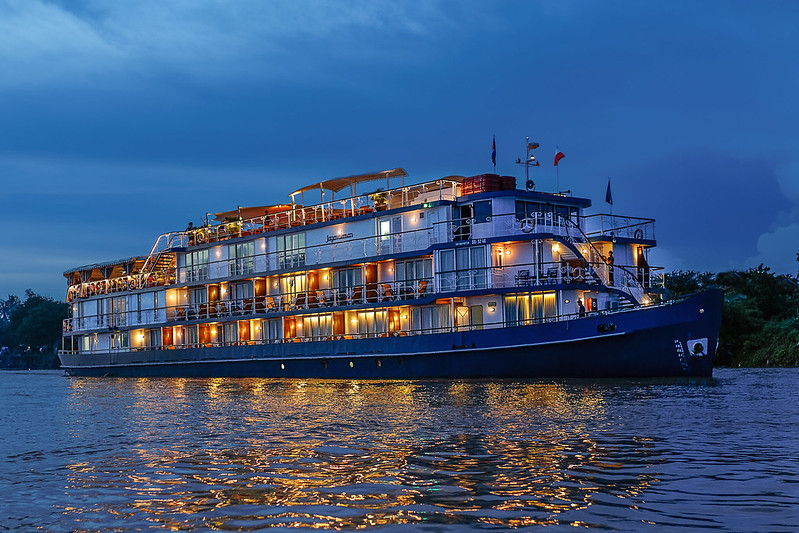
{"x":658,"y":341}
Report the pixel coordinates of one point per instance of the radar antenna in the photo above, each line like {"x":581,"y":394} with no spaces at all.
{"x":529,"y":161}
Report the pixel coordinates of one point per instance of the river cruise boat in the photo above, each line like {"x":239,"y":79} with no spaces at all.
{"x":455,"y":277}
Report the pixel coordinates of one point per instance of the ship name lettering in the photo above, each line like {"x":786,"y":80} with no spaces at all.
{"x":334,"y":238}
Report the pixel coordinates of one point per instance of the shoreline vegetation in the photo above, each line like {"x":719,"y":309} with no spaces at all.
{"x":760,"y":321}
{"x":30,"y":331}
{"x":759,"y":326}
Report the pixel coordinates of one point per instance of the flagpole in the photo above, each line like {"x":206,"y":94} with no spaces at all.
{"x":557,"y":185}
{"x":494,"y":153}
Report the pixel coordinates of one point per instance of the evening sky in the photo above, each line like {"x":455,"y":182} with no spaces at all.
{"x":124,"y":120}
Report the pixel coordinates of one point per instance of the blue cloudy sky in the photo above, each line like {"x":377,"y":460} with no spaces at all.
{"x":123,"y":120}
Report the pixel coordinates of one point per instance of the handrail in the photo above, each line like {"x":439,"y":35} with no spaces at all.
{"x":444,"y":283}
{"x":362,"y":248}
{"x":628,"y":275}
{"x":329,"y":336}
{"x":631,"y":224}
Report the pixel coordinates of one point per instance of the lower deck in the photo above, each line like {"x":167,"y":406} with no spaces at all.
{"x":665,"y":340}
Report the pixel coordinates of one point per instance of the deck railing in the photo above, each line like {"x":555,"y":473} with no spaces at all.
{"x":352,"y":249}
{"x":383,"y":333}
{"x":619,"y":226}
{"x":443,"y":284}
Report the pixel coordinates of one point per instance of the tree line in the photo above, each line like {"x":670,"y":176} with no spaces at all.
{"x":760,"y":321}
{"x":30,"y":331}
{"x":759,"y":326}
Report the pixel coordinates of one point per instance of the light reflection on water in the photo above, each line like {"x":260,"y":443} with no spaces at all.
{"x":242,"y":455}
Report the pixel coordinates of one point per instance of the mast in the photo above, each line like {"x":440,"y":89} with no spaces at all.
{"x":529,"y":161}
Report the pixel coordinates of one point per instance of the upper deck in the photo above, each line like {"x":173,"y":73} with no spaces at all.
{"x":410,"y":219}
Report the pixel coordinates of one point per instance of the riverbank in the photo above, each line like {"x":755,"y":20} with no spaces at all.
{"x":760,"y":324}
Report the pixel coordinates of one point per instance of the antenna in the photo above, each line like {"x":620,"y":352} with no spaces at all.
{"x":529,"y":161}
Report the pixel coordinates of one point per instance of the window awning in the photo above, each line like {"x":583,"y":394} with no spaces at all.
{"x":338,"y":184}
{"x":250,"y":212}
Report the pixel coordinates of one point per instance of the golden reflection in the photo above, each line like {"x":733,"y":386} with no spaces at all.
{"x":214,"y":453}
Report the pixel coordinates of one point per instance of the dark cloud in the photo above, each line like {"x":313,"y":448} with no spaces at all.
{"x":144,"y":115}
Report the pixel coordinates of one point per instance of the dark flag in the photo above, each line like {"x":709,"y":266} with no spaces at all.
{"x":608,"y":196}
{"x":494,"y":151}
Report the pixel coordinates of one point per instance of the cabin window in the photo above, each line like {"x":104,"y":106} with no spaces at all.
{"x":154,"y":337}
{"x":274,"y":329}
{"x":482,"y":212}
{"x":230,"y":332}
{"x":524,"y":309}
{"x":78,"y":314}
{"x":257,"y":329}
{"x":384,"y":229}
{"x":462,"y":222}
{"x":89,"y":343}
{"x":317,"y":326}
{"x":119,"y":340}
{"x":291,"y":284}
{"x":197,"y":265}
{"x":365,"y":322}
{"x":431,"y":319}
{"x":389,"y":231}
{"x":240,"y":258}
{"x":291,"y":250}
{"x":240,"y":291}
{"x":526,"y":209}
{"x":533,"y":210}
{"x":199,"y":295}
{"x":347,"y":278}
{"x":414,"y":271}
{"x":193,"y":337}
{"x":116,"y":311}
{"x":463,"y":268}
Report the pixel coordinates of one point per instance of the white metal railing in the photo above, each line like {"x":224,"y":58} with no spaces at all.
{"x":619,"y":226}
{"x":383,"y":332}
{"x":542,"y":274}
{"x":363,"y":248}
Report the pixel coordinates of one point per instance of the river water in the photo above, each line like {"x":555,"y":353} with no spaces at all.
{"x":97,"y":454}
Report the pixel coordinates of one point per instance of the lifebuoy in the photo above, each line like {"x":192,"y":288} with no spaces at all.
{"x":200,"y":237}
{"x":527,"y":225}
{"x":132,"y":284}
{"x":638,"y":234}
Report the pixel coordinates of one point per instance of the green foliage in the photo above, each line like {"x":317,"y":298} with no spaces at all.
{"x":777,"y":344}
{"x":31,"y":330}
{"x":740,"y":319}
{"x":685,"y":282}
{"x":777,"y":296}
{"x":760,"y":321}
{"x":6,"y":308}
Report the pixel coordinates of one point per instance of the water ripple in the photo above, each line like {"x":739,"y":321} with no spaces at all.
{"x":245,"y":455}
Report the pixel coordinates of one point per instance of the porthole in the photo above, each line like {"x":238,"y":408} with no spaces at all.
{"x":282,"y":366}
{"x":352,"y":364}
{"x":379,"y":363}
{"x":399,"y":360}
{"x":324,"y":363}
